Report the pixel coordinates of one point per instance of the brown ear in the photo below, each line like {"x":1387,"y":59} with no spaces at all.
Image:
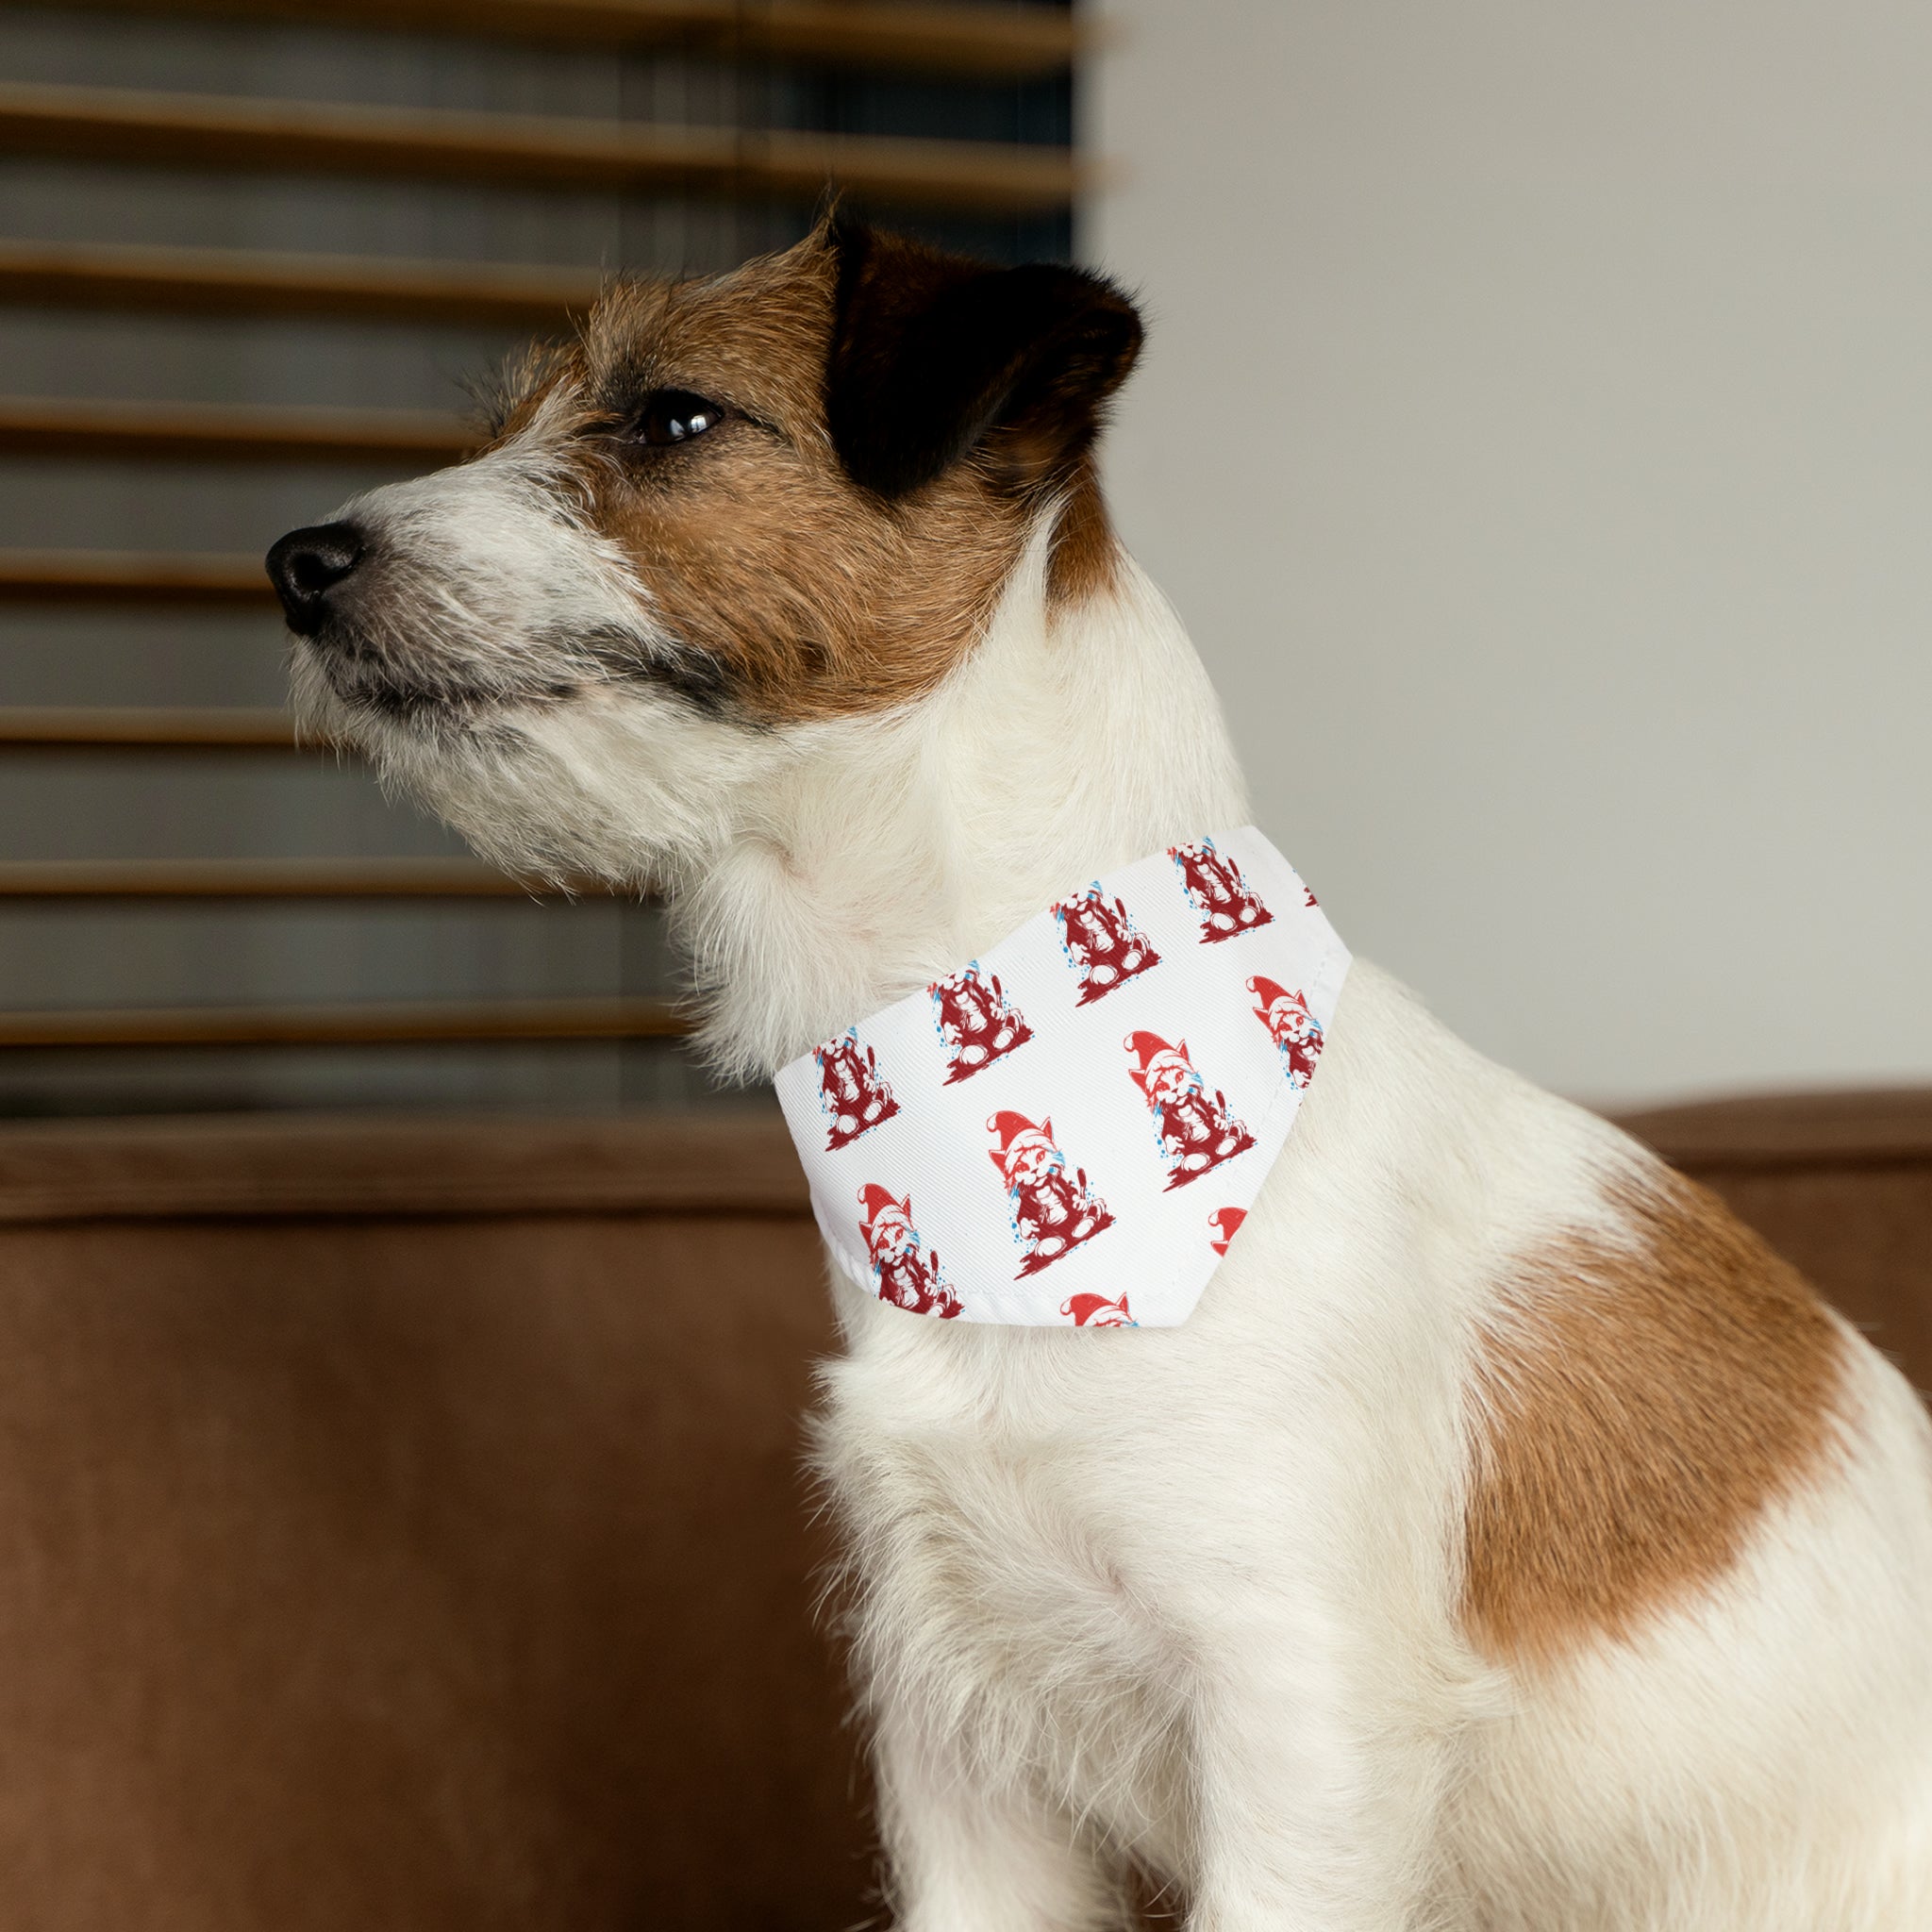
{"x":933,"y":355}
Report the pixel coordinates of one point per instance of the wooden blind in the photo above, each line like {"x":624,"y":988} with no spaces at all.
{"x":207,"y":151}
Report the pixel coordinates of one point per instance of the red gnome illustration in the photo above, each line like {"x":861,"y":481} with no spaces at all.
{"x":850,"y":1089}
{"x":1102,"y":942}
{"x":1217,"y":891}
{"x":1225,"y":1221}
{"x":1296,"y":1032}
{"x":1196,"y":1130}
{"x":975,"y":1021}
{"x":905,"y":1275}
{"x":1096,"y":1311}
{"x":1053,"y":1211}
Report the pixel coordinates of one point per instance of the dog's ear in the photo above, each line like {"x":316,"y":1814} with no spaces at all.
{"x":933,"y":355}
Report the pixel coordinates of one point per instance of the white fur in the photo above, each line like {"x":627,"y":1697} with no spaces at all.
{"x":1188,"y":1598}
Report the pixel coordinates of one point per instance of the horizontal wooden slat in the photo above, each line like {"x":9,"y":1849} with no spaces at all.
{"x":949,"y":39}
{"x":259,"y":878}
{"x":369,"y":1023}
{"x":525,"y":151}
{"x":132,"y":577}
{"x":227,"y":432}
{"x":229,"y":281}
{"x":174,"y":727}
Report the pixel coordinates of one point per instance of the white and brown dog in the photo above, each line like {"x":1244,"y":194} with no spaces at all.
{"x":1507,"y":1540}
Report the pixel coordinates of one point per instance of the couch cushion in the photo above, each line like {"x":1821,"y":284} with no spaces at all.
{"x":401,"y":1521}
{"x":402,"y":1525}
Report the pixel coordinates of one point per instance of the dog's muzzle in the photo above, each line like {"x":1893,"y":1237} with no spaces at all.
{"x":306,"y":566}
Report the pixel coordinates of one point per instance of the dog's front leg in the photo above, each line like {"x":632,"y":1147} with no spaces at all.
{"x":1316,"y":1808}
{"x":967,"y":1853}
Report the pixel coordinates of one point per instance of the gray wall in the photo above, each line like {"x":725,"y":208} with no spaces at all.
{"x":1537,"y":433}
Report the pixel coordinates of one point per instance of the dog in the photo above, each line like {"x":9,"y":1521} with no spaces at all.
{"x":1508,"y":1540}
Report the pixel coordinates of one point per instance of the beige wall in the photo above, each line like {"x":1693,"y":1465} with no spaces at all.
{"x":1537,"y":433}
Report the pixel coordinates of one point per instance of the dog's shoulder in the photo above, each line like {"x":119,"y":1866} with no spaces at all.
{"x":1649,"y":1385}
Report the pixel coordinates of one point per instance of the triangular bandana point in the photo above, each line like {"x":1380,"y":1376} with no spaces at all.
{"x":1150,"y":1032}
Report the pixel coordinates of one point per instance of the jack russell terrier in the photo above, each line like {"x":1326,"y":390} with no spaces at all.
{"x":1505,"y":1540}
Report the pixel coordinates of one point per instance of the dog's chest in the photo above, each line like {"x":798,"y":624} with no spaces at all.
{"x":1004,"y":1572}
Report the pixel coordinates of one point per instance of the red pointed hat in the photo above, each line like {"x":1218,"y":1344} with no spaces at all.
{"x":1267,"y":992}
{"x":1143,"y":1047}
{"x":1007,"y":1126}
{"x":873,"y":1197}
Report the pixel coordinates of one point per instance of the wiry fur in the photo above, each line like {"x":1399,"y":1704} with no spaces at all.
{"x":1194,"y":1600}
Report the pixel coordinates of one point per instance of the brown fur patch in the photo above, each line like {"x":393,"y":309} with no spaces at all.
{"x":813,"y":597}
{"x":1638,"y":1409}
{"x":798,"y":593}
{"x":1085,"y":553}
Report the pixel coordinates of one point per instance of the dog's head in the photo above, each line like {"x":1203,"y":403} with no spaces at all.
{"x":732,"y":510}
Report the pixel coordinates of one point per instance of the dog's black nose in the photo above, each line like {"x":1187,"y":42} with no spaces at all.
{"x":306,"y":565}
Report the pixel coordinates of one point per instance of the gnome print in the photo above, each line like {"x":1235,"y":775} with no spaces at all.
{"x":851,"y":1091}
{"x":1102,"y":942}
{"x":1224,"y":1221}
{"x":1296,"y":1032}
{"x":905,"y":1273}
{"x":1053,"y":1211}
{"x":977,"y":1021}
{"x":1217,"y":891}
{"x":1195,"y":1128}
{"x":1096,"y":1311}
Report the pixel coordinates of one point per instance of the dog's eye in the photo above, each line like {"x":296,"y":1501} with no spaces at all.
{"x":675,"y":415}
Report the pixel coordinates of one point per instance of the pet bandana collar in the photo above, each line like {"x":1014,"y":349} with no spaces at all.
{"x":1068,"y":1132}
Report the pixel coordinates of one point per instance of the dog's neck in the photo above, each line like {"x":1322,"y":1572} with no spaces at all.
{"x":879,"y":854}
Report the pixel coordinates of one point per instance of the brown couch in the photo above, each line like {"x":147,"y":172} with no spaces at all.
{"x":401,"y":1522}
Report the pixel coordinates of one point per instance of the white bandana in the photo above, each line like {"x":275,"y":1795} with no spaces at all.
{"x":1068,"y":1132}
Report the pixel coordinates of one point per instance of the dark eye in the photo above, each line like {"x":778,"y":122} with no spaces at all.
{"x":676,"y":415}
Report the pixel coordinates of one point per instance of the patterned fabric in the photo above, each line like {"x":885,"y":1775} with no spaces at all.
{"x":1069,"y":1131}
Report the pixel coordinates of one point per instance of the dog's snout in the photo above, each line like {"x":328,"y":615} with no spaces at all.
{"x":306,"y":565}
